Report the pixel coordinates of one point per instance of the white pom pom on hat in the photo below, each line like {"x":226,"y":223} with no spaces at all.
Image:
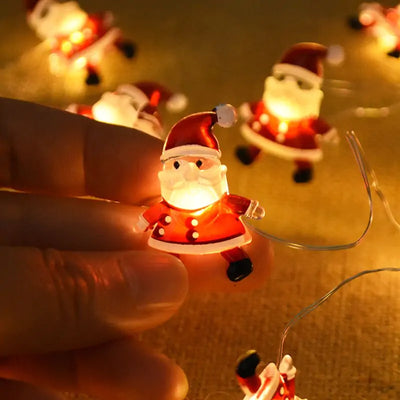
{"x":335,"y":54}
{"x":226,"y":115}
{"x":177,"y":102}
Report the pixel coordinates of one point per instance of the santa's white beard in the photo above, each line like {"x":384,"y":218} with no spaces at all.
{"x":179,"y":192}
{"x":61,"y":19}
{"x":285,"y":100}
{"x":115,"y":109}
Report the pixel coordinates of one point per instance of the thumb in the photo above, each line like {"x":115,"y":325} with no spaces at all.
{"x":52,"y":300}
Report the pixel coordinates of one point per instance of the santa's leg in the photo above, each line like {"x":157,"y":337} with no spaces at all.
{"x":240,"y":264}
{"x":304,"y":172}
{"x":247,"y":154}
{"x":126,"y":47}
{"x":92,"y":75}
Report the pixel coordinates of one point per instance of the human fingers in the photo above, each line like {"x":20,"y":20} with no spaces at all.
{"x":67,"y":224}
{"x":13,"y":390}
{"x":56,"y":152}
{"x":52,"y":300}
{"x":120,"y":370}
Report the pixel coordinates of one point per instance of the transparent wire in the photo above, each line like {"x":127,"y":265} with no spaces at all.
{"x":360,"y":158}
{"x":305,"y":311}
{"x":375,"y":185}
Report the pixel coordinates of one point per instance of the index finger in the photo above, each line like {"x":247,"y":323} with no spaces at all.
{"x":45,"y":150}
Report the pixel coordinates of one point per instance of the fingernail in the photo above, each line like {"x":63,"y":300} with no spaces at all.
{"x":156,"y":279}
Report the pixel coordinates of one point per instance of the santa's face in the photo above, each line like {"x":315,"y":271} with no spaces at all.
{"x":50,"y":18}
{"x":290,"y":98}
{"x":191,"y":182}
{"x":116,"y":109}
{"x":123,"y":109}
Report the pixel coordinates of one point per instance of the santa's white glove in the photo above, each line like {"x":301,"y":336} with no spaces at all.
{"x":255,"y":211}
{"x":141,"y":225}
{"x":331,"y":136}
{"x":245,"y":111}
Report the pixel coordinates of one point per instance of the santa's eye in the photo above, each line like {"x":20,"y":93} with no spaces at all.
{"x":303,"y":85}
{"x":176,"y":164}
{"x":44,"y":11}
{"x":279,"y":76}
{"x":199,"y":163}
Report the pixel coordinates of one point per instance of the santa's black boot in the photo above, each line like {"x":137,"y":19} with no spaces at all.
{"x":244,"y":154}
{"x":92,"y":78}
{"x":127,"y":48}
{"x":354,"y":23}
{"x":394,"y":53}
{"x":303,"y":175}
{"x":238,"y":270}
{"x":247,"y":364}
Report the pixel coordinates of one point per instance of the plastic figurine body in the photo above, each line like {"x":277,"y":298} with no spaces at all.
{"x":77,"y":39}
{"x":133,"y":106}
{"x":271,"y":384}
{"x":286,"y":122}
{"x":383,"y":23}
{"x":197,"y":215}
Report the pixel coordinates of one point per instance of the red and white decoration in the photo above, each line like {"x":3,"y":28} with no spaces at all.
{"x":286,"y":122}
{"x":77,"y":39}
{"x":197,"y":215}
{"x":272,"y":383}
{"x":134,"y":106}
{"x":381,"y":22}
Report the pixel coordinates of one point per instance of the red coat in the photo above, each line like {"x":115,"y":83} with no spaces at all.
{"x":292,"y":140}
{"x":211,"y":229}
{"x":96,"y":34}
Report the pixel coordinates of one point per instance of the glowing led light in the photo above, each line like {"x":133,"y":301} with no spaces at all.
{"x":195,"y":194}
{"x":80,"y":62}
{"x":383,"y":23}
{"x":74,"y":34}
{"x":76,"y":37}
{"x":283,"y":127}
{"x":130,"y":105}
{"x":66,"y":47}
{"x":285,"y":122}
{"x":387,"y":41}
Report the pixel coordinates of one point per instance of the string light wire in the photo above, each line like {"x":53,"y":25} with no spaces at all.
{"x":359,"y":155}
{"x":307,"y":310}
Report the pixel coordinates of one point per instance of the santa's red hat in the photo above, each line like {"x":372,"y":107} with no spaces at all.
{"x":193,"y":136}
{"x":151,"y":94}
{"x":305,"y":61}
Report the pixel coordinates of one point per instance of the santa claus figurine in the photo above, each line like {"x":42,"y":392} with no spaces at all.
{"x":271,"y":384}
{"x":286,"y":122}
{"x":382,"y":22}
{"x":197,"y":215}
{"x":77,"y":39}
{"x":134,"y":106}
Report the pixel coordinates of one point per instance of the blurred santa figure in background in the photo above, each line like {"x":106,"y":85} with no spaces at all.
{"x":134,"y":106}
{"x":286,"y":122}
{"x":77,"y":39}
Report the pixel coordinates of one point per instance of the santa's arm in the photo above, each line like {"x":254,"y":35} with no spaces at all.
{"x":327,"y":132}
{"x":247,"y":110}
{"x":149,"y":217}
{"x":243,"y":206}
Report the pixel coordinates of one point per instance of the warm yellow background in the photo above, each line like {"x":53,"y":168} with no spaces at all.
{"x":221,"y":51}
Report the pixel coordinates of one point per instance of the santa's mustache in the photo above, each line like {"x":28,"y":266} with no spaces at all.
{"x":176,"y":179}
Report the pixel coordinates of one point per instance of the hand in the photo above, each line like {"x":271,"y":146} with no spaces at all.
{"x":76,"y":282}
